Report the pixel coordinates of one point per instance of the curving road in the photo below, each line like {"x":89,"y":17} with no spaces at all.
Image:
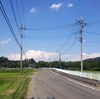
{"x":49,"y":85}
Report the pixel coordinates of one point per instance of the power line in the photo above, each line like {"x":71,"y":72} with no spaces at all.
{"x":44,"y":37}
{"x":9,"y":24}
{"x":66,"y":42}
{"x":47,"y":39}
{"x":69,"y":37}
{"x":12,"y":7}
{"x":18,"y":11}
{"x":92,"y":32}
{"x":50,"y":28}
{"x":23,"y":12}
{"x":71,"y":46}
{"x":13,"y":33}
{"x":15,"y":19}
{"x":52,"y":46}
{"x":93,"y":23}
{"x":92,"y":41}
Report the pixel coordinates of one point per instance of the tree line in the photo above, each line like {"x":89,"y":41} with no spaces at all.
{"x":88,"y":65}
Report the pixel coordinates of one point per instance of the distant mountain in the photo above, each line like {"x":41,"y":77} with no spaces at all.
{"x":93,"y":59}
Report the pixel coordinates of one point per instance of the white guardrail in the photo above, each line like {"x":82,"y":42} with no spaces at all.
{"x":90,"y":75}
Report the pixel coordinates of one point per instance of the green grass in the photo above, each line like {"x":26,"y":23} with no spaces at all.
{"x":96,"y":72}
{"x":13,"y":85}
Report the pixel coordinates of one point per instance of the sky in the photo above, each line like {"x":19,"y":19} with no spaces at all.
{"x":51,"y":27}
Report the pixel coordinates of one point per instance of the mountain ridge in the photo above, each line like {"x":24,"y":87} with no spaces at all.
{"x":93,"y":59}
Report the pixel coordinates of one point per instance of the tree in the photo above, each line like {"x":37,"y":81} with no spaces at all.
{"x":3,"y":61}
{"x":32,"y":62}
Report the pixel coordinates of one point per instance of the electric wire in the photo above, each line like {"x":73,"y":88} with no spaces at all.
{"x":12,"y":7}
{"x":44,"y":37}
{"x":52,"y":46}
{"x":18,"y":11}
{"x":23,"y":13}
{"x":69,"y":37}
{"x":93,"y":23}
{"x":9,"y":24}
{"x":13,"y":11}
{"x":92,"y":41}
{"x":36,"y":29}
{"x":50,"y":28}
{"x":92,"y":32}
{"x":71,"y":46}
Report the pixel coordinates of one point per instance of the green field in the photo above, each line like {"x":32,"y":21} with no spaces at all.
{"x":13,"y":85}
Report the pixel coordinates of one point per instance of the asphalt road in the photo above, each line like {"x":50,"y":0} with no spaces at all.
{"x":49,"y":85}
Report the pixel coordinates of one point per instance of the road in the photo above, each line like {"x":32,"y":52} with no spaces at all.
{"x":49,"y":85}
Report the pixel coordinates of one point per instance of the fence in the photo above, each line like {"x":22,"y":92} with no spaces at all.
{"x":90,"y":75}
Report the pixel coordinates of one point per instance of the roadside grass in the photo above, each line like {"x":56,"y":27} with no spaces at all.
{"x":96,"y":72}
{"x":13,"y":85}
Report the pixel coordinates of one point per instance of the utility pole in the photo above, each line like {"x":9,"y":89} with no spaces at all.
{"x":49,"y":61}
{"x":82,"y":24}
{"x":60,"y":59}
{"x":21,"y":50}
{"x":21,"y":36}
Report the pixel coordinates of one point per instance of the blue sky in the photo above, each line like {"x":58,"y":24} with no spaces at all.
{"x":45,"y":41}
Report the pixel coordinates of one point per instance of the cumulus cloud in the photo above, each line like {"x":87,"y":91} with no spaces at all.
{"x":38,"y":55}
{"x":41,"y":55}
{"x":93,"y":55}
{"x":33,"y":10}
{"x":14,"y":56}
{"x":70,"y":5}
{"x":56,"y":6}
{"x":5,"y":42}
{"x":85,"y":56}
{"x":52,"y":56}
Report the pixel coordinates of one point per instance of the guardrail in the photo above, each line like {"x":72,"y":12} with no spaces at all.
{"x":90,"y":75}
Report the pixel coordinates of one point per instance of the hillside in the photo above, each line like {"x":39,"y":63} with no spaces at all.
{"x":93,"y":59}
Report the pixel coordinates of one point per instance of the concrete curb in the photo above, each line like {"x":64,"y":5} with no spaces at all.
{"x":92,"y":82}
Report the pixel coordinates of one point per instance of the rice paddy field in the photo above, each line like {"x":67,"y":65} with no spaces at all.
{"x":13,"y":85}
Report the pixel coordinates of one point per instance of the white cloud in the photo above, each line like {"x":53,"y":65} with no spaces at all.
{"x":38,"y":55}
{"x":56,"y":6}
{"x":93,"y":55}
{"x":41,"y":55}
{"x":14,"y":56}
{"x":70,"y":5}
{"x":85,"y":56}
{"x":5,"y":42}
{"x":44,"y":56}
{"x":33,"y":10}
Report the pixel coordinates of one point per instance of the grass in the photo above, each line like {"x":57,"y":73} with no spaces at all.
{"x":13,"y":85}
{"x":94,"y":71}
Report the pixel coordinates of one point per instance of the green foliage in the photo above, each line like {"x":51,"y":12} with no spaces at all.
{"x":3,"y":59}
{"x":55,"y":64}
{"x":42,"y":64}
{"x":6,"y":63}
{"x":88,"y":65}
{"x":92,"y":65}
